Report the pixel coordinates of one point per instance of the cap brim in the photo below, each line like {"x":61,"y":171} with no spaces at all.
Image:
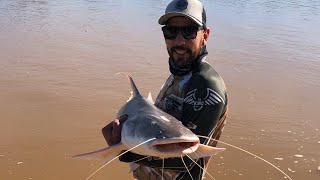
{"x":163,"y":19}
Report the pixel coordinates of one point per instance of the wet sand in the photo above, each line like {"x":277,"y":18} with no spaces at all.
{"x":58,"y":88}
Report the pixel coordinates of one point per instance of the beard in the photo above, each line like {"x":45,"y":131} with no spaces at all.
{"x":184,"y":62}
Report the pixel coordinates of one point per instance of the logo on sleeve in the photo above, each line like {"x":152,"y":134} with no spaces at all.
{"x":211,"y":98}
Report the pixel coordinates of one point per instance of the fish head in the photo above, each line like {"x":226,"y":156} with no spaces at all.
{"x":170,"y":137}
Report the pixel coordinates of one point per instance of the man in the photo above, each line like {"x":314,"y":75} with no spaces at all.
{"x":194,"y":93}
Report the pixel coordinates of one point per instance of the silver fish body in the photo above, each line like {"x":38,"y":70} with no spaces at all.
{"x":146,"y":121}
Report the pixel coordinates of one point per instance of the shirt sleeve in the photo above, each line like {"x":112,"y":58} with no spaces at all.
{"x":204,"y":102}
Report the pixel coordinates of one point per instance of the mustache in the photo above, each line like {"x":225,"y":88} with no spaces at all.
{"x":180,"y":48}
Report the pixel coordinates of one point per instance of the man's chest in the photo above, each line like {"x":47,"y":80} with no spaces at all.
{"x":171,"y":96}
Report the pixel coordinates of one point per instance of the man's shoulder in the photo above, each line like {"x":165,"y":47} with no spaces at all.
{"x":206,"y":91}
{"x":207,"y":77}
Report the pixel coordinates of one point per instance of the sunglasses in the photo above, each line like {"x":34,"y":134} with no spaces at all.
{"x":188,"y":32}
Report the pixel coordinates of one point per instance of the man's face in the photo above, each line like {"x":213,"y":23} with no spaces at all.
{"x":183,"y":51}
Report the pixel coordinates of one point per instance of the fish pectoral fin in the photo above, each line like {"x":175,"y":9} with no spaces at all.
{"x":102,"y":154}
{"x":205,"y":151}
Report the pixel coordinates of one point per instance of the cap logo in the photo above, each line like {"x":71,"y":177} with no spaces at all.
{"x":182,"y":5}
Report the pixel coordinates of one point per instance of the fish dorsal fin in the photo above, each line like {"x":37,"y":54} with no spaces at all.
{"x":134,"y":88}
{"x":150,"y":98}
{"x":205,"y":151}
{"x":131,"y":96}
{"x":104,"y":153}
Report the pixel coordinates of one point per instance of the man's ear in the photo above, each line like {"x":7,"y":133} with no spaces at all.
{"x":206,"y":33}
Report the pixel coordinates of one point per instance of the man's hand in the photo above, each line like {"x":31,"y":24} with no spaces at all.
{"x":112,"y":132}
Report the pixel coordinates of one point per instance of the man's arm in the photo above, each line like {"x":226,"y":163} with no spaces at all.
{"x":205,"y":103}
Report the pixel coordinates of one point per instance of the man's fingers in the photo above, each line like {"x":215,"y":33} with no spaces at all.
{"x":123,"y":118}
{"x":115,"y":123}
{"x":117,"y":126}
{"x":112,"y":132}
{"x":116,"y":130}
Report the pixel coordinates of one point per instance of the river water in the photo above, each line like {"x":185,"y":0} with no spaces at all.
{"x":58,"y":88}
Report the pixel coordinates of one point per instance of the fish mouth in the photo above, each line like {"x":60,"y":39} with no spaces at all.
{"x":179,"y":147}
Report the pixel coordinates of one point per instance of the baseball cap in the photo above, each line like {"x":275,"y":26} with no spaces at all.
{"x":192,"y":9}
